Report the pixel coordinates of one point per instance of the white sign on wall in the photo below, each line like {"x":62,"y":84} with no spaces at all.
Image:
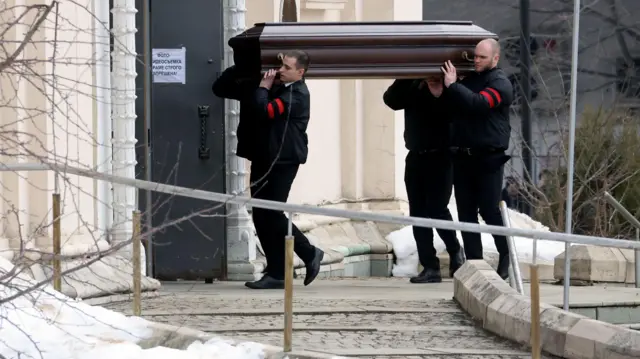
{"x":169,"y":65}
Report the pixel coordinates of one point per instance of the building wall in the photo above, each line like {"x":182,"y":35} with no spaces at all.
{"x":30,"y":107}
{"x":356,"y":146}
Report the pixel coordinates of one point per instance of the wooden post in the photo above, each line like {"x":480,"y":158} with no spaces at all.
{"x":57,"y":271}
{"x":535,"y":312}
{"x":288,"y":294}
{"x":137,"y":276}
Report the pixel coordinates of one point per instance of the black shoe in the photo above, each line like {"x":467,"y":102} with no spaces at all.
{"x":265,"y":272}
{"x":266,"y":282}
{"x":313,"y":267}
{"x":503,"y":266}
{"x":455,"y":262}
{"x":427,"y":276}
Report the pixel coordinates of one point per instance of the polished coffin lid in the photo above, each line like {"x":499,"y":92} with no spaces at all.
{"x":392,"y":49}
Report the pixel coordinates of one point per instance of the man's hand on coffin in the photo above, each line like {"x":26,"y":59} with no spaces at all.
{"x":268,"y":78}
{"x":450,"y":75}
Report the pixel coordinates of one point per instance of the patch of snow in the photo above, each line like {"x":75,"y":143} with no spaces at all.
{"x":45,"y":324}
{"x":405,"y":250}
{"x":215,"y":348}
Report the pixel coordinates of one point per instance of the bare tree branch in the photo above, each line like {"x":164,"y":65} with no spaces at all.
{"x":45,"y":9}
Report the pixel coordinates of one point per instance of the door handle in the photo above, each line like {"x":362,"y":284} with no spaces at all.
{"x":203,"y":113}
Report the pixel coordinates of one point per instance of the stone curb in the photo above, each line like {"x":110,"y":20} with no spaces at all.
{"x":598,"y":264}
{"x":485,"y":296}
{"x":180,"y":337}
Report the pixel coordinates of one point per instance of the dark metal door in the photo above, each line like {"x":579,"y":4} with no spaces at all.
{"x":186,"y":137}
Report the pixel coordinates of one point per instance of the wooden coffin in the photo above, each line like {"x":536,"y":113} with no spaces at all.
{"x":392,"y":49}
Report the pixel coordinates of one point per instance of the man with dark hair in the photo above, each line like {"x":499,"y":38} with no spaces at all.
{"x":302,"y":59}
{"x":428,"y":174}
{"x":272,"y":135}
{"x":480,"y":106}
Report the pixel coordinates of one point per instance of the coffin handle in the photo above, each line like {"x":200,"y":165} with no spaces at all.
{"x":465,"y":56}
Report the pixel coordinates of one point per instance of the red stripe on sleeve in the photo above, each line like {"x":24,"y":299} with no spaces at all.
{"x":488,"y":97}
{"x":270,"y":111}
{"x":496,"y":94}
{"x":280,"y":106}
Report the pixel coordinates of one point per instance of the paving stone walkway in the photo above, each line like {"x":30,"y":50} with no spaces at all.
{"x":364,"y":318}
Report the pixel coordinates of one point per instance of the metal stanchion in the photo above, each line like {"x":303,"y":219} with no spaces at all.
{"x":637,"y":259}
{"x":288,"y":287}
{"x":571,"y":155}
{"x":57,"y":271}
{"x":515,"y":277}
{"x":535,"y":305}
{"x":137,"y":267}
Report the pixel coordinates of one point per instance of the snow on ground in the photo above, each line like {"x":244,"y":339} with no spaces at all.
{"x":404,"y":245}
{"x":45,"y":324}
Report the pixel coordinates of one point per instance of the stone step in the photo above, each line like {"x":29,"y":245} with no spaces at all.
{"x":399,"y":321}
{"x":335,"y":341}
{"x":196,"y":304}
{"x":362,"y":318}
{"x":431,"y":353}
{"x":374,"y":332}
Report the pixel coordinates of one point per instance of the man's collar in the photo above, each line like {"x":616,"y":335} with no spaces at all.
{"x":287,"y":84}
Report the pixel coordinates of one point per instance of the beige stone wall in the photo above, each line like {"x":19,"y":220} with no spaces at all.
{"x":48,"y":115}
{"x":356,"y":146}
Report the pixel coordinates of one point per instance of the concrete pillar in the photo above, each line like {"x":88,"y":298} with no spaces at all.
{"x":351,"y":123}
{"x":241,"y":242}
{"x":403,"y":10}
{"x":378,"y":123}
{"x":124,"y":114}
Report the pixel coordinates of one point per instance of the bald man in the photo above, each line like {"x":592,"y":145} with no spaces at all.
{"x":480,"y":107}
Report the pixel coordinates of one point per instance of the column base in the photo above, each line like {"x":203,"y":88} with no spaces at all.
{"x":107,"y":276}
{"x":242,"y":263}
{"x":245,"y":271}
{"x":72,"y":245}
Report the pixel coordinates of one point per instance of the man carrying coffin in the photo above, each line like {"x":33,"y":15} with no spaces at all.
{"x":428,"y":168}
{"x":480,"y":105}
{"x":272,"y":135}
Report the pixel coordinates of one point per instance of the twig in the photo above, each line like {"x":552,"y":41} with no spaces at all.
{"x":29,"y":35}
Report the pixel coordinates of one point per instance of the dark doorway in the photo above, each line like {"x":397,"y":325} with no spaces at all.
{"x":186,"y":137}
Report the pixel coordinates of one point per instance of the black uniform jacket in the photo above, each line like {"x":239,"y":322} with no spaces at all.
{"x":273,"y":123}
{"x":480,"y":108}
{"x":426,"y":117}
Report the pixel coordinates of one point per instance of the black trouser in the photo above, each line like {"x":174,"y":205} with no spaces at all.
{"x":428,"y":178}
{"x":271,"y":226}
{"x":478,"y":187}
